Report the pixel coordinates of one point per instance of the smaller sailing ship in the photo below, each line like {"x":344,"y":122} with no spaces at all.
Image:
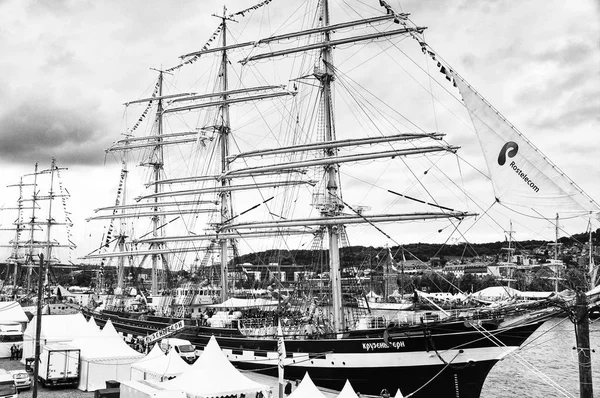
{"x":393,"y":296}
{"x":42,"y":226}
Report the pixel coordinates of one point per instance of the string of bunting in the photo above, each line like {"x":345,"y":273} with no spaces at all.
{"x":390,"y":11}
{"x":205,"y":47}
{"x":111,"y":226}
{"x":249,"y":9}
{"x":146,"y":111}
{"x":216,"y":33}
{"x":64,"y":194}
{"x":444,"y":69}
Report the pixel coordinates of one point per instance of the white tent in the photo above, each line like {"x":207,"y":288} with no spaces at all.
{"x":104,"y":358}
{"x":398,"y":394}
{"x":158,"y":366}
{"x":347,"y":391}
{"x":306,"y":389}
{"x":109,"y":330}
{"x":212,"y":375}
{"x":155,"y":352}
{"x":372,"y":295}
{"x":141,"y":389}
{"x":56,"y":329}
{"x":93,"y":323}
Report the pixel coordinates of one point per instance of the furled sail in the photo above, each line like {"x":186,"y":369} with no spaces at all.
{"x":521,"y":175}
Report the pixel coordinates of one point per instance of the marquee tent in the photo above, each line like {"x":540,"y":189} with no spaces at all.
{"x":55,"y":329}
{"x":109,"y":330}
{"x":159,"y":367}
{"x":93,"y":323}
{"x":104,"y":356}
{"x":307,"y":389}
{"x":212,"y":375}
{"x":347,"y":391}
{"x":155,"y":352}
{"x":398,"y":394}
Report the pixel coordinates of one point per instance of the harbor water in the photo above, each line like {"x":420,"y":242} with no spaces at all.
{"x":551,"y":354}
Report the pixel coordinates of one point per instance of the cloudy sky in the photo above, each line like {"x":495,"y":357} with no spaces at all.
{"x":68,"y":66}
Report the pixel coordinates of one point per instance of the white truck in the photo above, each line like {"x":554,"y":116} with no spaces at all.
{"x":59,"y":365}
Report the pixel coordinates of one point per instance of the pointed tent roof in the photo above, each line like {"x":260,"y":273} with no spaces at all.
{"x":60,"y":327}
{"x":102,"y":348}
{"x":109,"y":330}
{"x":398,"y":394}
{"x":213,"y":375}
{"x":155,"y":352}
{"x":162,"y":365}
{"x":307,"y":389}
{"x":347,"y":391}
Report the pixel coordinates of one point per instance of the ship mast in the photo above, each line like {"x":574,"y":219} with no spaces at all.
{"x":29,"y":262}
{"x":224,"y":129}
{"x":49,"y":222}
{"x":326,"y":77}
{"x":157,"y":164}
{"x":18,"y":229}
{"x":14,"y":257}
{"x":556,"y":265}
{"x":122,"y":227}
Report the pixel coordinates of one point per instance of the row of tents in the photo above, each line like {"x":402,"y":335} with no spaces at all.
{"x":211,"y":376}
{"x":103,"y":353}
{"x":105,"y":356}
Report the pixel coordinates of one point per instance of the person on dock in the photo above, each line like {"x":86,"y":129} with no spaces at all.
{"x":288,"y":388}
{"x":13,"y":352}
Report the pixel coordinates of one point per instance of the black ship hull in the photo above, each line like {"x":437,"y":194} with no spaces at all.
{"x":446,"y":359}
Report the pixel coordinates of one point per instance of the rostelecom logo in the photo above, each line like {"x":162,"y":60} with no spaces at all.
{"x":511,"y":149}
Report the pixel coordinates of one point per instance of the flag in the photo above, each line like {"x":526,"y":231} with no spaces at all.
{"x":281,"y":354}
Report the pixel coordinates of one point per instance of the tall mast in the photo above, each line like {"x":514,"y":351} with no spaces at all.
{"x":30,"y":261}
{"x":509,"y":251}
{"x":157,"y":165}
{"x":224,"y":130}
{"x":593,"y":271}
{"x":49,"y":222}
{"x":122,"y":226}
{"x":326,"y":77}
{"x":19,"y":228}
{"x":557,"y":273}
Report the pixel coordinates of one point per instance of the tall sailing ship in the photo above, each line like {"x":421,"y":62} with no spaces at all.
{"x":256,"y":156}
{"x":41,"y":226}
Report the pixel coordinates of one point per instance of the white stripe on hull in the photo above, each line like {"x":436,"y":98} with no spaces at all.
{"x":377,"y":360}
